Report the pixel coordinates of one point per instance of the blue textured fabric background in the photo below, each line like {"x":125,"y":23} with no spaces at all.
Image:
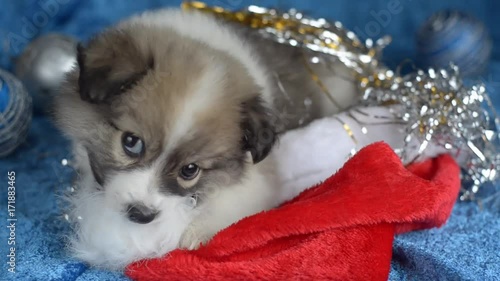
{"x":466,"y":248}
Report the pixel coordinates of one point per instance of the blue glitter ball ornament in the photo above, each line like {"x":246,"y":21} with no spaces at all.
{"x":453,"y":36}
{"x":15,"y":113}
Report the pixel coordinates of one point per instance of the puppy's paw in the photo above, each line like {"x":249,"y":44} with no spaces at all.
{"x":192,"y":240}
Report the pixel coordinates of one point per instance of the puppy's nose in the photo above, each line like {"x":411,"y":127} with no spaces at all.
{"x":141,"y":214}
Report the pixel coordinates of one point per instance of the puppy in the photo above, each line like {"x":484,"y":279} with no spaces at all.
{"x":172,"y":115}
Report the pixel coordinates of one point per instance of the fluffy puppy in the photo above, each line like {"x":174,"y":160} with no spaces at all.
{"x":171,"y":115}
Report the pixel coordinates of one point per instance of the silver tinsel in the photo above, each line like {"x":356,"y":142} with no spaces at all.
{"x":440,"y":109}
{"x":436,"y":105}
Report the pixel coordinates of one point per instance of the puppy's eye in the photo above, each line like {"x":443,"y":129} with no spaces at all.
{"x":189,"y":172}
{"x":132,"y":145}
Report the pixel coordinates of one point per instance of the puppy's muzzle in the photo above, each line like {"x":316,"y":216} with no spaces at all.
{"x":139,"y":213}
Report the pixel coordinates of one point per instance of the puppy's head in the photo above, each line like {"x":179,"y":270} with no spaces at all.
{"x":163,"y":115}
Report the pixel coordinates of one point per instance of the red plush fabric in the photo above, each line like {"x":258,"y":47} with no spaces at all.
{"x":341,"y":229}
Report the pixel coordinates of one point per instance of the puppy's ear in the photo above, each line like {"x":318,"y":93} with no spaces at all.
{"x":259,"y":128}
{"x":92,"y":82}
{"x":110,"y":65}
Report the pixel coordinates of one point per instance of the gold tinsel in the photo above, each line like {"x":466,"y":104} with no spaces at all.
{"x":435,"y":104}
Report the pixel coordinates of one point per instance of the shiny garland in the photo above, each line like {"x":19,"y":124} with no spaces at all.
{"x":436,"y":105}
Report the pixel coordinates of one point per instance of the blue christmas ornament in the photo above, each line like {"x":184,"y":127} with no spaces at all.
{"x":15,"y":113}
{"x":453,"y":36}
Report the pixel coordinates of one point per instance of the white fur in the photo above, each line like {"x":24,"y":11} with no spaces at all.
{"x":104,"y":237}
{"x":204,"y":93}
{"x":225,"y":205}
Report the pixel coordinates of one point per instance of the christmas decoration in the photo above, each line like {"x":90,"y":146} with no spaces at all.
{"x":440,"y":110}
{"x":306,"y":157}
{"x":454,"y":36}
{"x":43,"y":65}
{"x":421,"y":94}
{"x":15,"y":113}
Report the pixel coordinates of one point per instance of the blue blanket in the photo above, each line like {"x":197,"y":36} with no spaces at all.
{"x":466,"y":248}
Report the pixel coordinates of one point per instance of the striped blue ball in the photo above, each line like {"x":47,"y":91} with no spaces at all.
{"x":15,"y":113}
{"x":453,"y":36}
